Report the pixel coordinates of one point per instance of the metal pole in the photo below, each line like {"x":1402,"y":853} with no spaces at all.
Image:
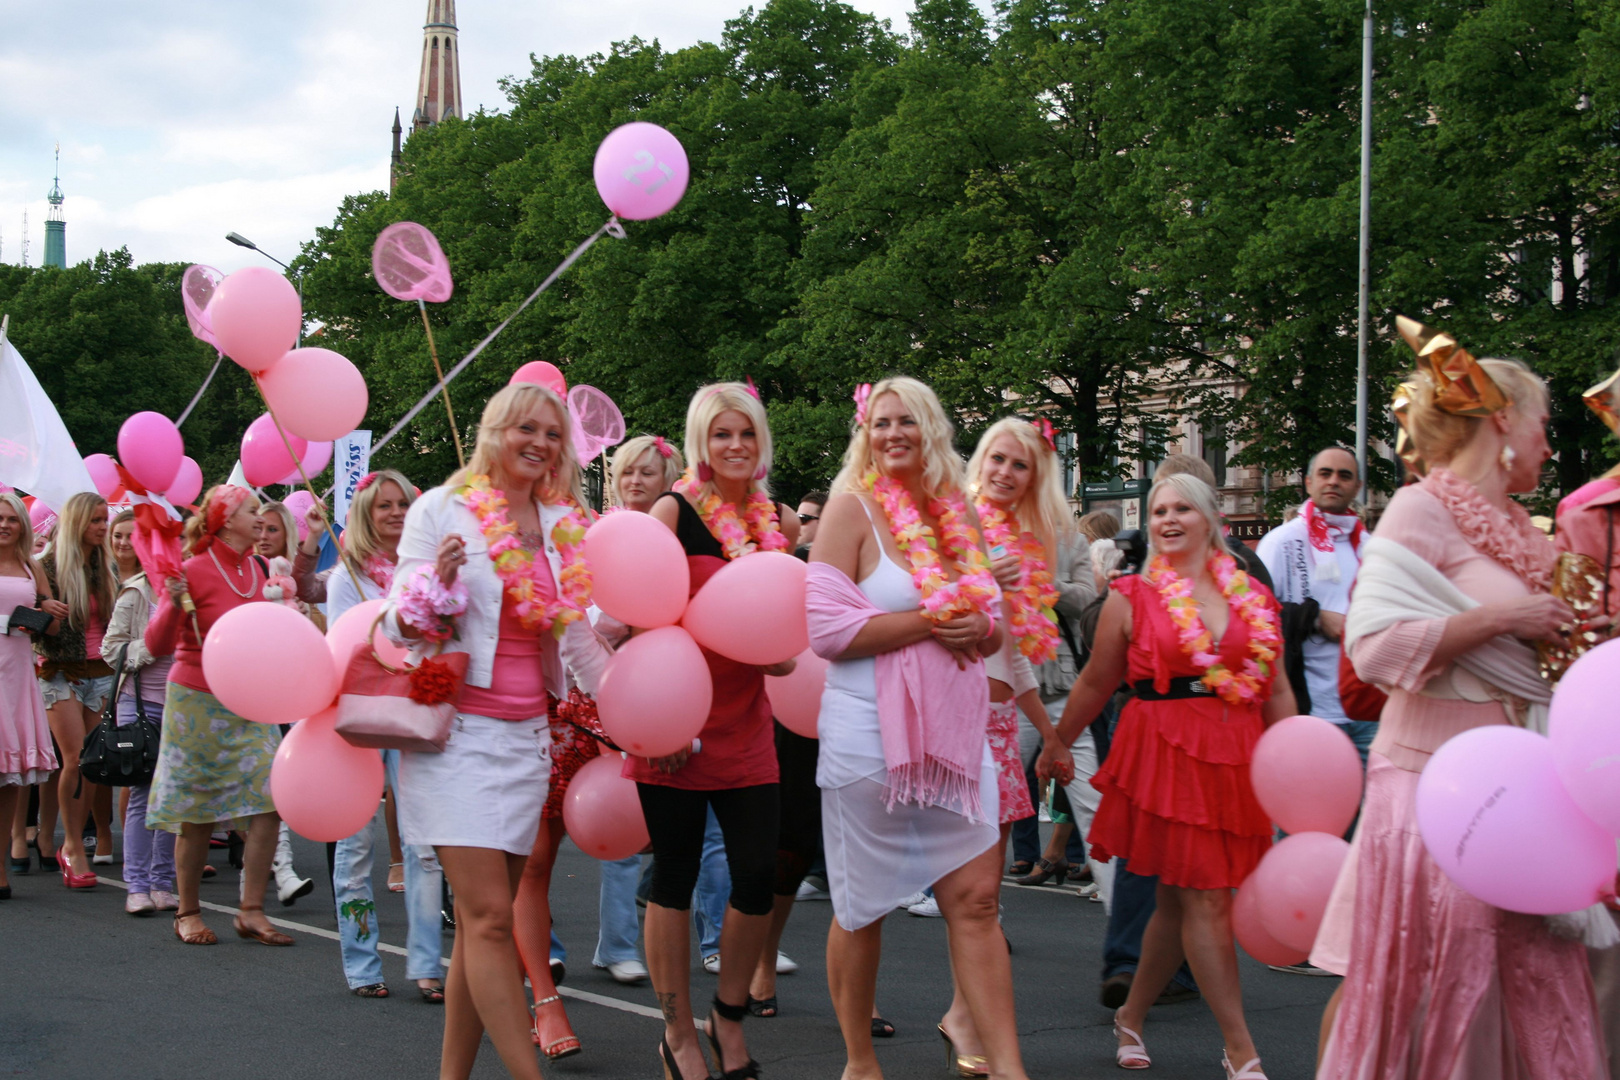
{"x":1365,"y":241}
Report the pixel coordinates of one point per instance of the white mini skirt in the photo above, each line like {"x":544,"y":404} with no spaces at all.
{"x":484,"y":791}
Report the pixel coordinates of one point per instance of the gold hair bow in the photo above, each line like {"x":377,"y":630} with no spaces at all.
{"x":1461,"y":386}
{"x":1600,"y":399}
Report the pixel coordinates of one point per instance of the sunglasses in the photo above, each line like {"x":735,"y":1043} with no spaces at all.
{"x":805,"y":519}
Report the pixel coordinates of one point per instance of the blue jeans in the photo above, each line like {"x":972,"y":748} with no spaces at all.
{"x":616,"y":912}
{"x":1135,"y":898}
{"x":713,"y":889}
{"x":1361,"y":733}
{"x":358,"y":929}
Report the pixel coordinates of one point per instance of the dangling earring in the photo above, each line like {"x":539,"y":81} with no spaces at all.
{"x":762,"y":472}
{"x":704,"y":472}
{"x":1506,"y":458}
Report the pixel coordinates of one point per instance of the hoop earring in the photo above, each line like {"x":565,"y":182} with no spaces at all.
{"x":705,"y":473}
{"x":1506,"y":458}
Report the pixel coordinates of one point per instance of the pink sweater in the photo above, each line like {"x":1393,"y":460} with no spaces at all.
{"x":171,"y":631}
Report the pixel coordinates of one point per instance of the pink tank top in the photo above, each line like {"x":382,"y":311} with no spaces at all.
{"x":517,"y":687}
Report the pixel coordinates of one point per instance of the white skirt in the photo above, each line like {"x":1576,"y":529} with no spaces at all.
{"x":484,"y":791}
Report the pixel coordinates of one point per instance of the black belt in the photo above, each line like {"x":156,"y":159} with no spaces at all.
{"x":1181,"y":687}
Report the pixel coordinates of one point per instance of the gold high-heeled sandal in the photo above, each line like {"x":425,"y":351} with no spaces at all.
{"x":965,"y":1066}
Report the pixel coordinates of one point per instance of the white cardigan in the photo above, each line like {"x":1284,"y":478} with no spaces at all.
{"x":437,"y":514}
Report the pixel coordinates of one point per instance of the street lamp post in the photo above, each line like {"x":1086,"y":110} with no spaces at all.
{"x":241,"y":241}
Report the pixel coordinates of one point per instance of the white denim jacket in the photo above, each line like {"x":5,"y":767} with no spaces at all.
{"x":437,"y":514}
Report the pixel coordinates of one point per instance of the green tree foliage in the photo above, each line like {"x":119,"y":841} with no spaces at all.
{"x":107,"y":339}
{"x":1050,"y":210}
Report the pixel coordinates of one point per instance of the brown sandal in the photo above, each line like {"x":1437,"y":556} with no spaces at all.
{"x":263,"y":937}
{"x":206,"y":937}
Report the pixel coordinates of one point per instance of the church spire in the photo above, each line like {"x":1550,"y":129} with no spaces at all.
{"x":55,"y":227}
{"x":438,"y":89}
{"x":394,"y":157}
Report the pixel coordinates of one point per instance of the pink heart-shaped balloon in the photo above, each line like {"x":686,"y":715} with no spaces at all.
{"x":409,"y":264}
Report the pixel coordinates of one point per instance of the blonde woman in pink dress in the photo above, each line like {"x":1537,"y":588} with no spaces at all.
{"x":25,"y":734}
{"x":1439,"y":985}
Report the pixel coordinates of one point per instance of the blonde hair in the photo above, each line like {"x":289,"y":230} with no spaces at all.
{"x":196,"y":526}
{"x":25,"y":542}
{"x":505,"y":410}
{"x":705,"y":408}
{"x":1043,"y":510}
{"x":1439,"y":435}
{"x":942,"y":465}
{"x":359,"y":532}
{"x":82,"y":575}
{"x":631,"y":453}
{"x":1202,"y":498}
{"x":289,"y":527}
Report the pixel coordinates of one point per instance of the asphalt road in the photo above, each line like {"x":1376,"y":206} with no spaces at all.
{"x":87,"y":991}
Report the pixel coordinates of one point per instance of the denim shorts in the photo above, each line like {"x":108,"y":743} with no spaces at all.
{"x":92,"y":693}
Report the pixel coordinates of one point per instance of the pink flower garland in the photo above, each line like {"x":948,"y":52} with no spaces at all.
{"x":975,"y":587}
{"x":1235,"y":688}
{"x":519,"y":570}
{"x":1032,"y":605}
{"x":757,"y":528}
{"x":430,"y":605}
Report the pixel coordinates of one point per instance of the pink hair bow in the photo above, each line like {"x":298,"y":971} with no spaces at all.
{"x":665,"y":450}
{"x":863,"y":394}
{"x":365,"y":482}
{"x":752,"y":389}
{"x":1048,"y":432}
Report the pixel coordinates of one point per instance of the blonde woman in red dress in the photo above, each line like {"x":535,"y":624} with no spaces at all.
{"x":1199,"y":641}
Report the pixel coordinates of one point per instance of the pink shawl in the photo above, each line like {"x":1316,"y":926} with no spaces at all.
{"x":931,"y":714}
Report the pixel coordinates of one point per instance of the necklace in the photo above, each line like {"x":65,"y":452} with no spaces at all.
{"x":1235,"y":688}
{"x":942,"y":599}
{"x":1032,"y":604}
{"x":519,"y":569}
{"x":253,"y":575}
{"x":757,"y":528}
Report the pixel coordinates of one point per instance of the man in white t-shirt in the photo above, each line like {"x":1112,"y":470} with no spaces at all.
{"x":1315,"y":557}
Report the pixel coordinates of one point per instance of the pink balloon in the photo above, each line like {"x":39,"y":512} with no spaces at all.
{"x":151,"y":448}
{"x":598,"y":423}
{"x":1249,"y":924}
{"x":409,"y":264}
{"x":187,"y":483}
{"x":315,"y":461}
{"x":541,"y":373}
{"x":267,"y":663}
{"x":640,"y":171}
{"x":298,"y":504}
{"x":1492,"y":794}
{"x":316,"y":393}
{"x":196,"y":290}
{"x":1585,"y":739}
{"x":104,"y":474}
{"x":255,"y":317}
{"x":1295,"y":880}
{"x":348,"y":635}
{"x":639,"y":572}
{"x":602,"y":812}
{"x":265,"y":459}
{"x":40,"y":515}
{"x":324,"y":788}
{"x":1307,"y":775}
{"x":656,"y":692}
{"x":752,"y":610}
{"x":796,"y":697}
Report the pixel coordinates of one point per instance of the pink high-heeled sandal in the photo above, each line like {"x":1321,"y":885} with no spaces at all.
{"x":1131,"y":1055}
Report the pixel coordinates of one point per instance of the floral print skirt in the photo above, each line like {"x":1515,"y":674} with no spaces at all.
{"x":212,"y":766}
{"x":1011,"y":785}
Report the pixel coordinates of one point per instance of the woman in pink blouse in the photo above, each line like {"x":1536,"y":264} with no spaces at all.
{"x":1440,"y":985}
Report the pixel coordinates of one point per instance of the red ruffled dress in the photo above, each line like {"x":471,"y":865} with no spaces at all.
{"x":1176,"y":799}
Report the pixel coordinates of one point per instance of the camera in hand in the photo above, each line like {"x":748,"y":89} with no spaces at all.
{"x":1132,"y":544}
{"x":27,"y":618}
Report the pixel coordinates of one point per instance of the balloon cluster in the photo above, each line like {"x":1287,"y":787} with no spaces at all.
{"x":153,"y":453}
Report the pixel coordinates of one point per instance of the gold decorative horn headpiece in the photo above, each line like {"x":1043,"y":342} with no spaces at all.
{"x":1461,"y":386}
{"x":1600,"y":399}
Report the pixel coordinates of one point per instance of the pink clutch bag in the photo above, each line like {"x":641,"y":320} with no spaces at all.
{"x":388,"y":708}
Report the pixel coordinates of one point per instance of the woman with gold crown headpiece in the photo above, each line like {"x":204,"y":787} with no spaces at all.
{"x":1439,"y":984}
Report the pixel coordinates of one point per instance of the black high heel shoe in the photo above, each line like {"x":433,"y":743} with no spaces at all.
{"x":736,"y":1014}
{"x":672,"y":1071}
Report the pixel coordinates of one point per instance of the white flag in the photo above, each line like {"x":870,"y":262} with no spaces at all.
{"x":351,"y":460}
{"x":36,"y":453}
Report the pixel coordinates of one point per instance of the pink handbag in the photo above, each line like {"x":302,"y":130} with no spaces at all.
{"x":388,"y":708}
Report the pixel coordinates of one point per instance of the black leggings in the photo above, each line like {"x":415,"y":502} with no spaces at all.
{"x":800,"y":838}
{"x":676,"y":819}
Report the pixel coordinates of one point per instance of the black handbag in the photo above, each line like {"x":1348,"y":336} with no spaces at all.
{"x":124,"y":756}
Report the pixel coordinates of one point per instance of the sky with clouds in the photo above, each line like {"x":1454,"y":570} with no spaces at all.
{"x":181,"y":121}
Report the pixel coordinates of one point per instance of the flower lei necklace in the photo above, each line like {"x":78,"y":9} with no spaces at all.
{"x":1235,"y":688}
{"x":1032,"y":605}
{"x":520,"y":570}
{"x":974,"y":588}
{"x":380,"y":569}
{"x":756,"y":529}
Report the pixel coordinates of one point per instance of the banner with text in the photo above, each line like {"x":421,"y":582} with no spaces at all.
{"x":351,"y":458}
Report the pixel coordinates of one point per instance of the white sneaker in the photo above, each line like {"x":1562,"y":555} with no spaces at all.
{"x":928,"y":909}
{"x":785,"y":964}
{"x":101,"y":860}
{"x":289,"y":886}
{"x":628,"y":972}
{"x":1090,"y":891}
{"x":139,"y":903}
{"x":912,"y":900}
{"x":808,"y":891}
{"x":711,"y":964}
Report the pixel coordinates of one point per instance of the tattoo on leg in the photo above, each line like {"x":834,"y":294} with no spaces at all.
{"x":667,"y":1003}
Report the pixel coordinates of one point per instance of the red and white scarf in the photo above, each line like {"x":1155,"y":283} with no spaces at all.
{"x":1324,"y":531}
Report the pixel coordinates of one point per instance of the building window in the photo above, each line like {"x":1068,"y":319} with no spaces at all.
{"x":1214,"y":440}
{"x":1071,"y":467}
